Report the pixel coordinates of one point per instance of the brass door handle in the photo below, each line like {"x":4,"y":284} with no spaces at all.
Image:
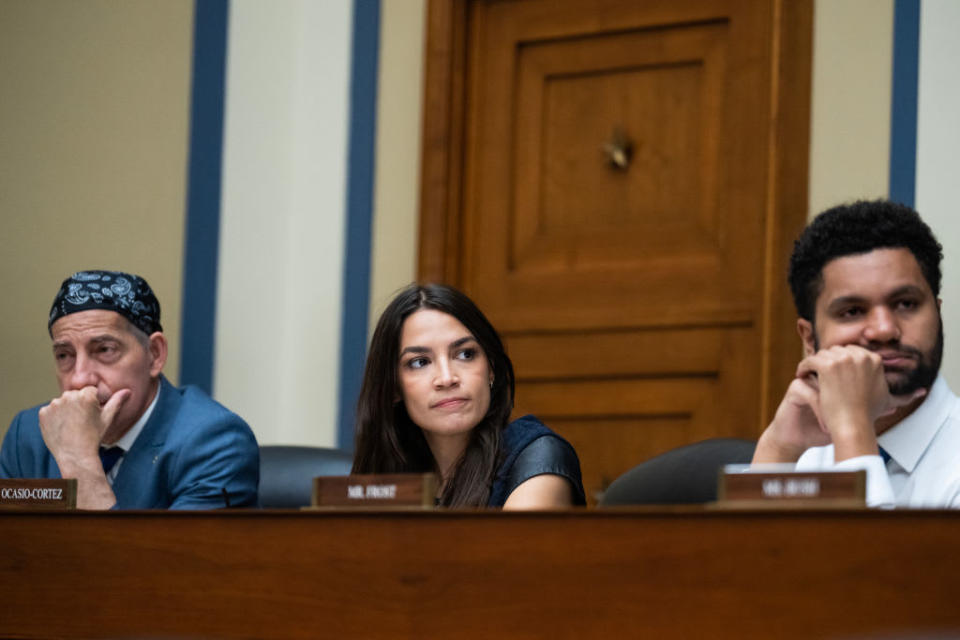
{"x":618,"y":150}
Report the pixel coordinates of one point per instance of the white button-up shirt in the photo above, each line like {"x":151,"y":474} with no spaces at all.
{"x":131,"y":435}
{"x":924,"y":466}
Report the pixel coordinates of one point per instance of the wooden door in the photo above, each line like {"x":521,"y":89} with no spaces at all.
{"x":617,"y":184}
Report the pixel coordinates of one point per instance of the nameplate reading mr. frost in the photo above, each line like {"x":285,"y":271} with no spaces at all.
{"x":38,"y":494}
{"x":375,"y":490}
{"x":790,"y":489}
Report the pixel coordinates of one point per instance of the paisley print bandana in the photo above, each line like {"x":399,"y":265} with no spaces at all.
{"x":127,"y":294}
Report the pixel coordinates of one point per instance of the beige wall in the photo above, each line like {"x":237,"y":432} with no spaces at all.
{"x":93,"y":147}
{"x":850,"y":122}
{"x":397,"y":171}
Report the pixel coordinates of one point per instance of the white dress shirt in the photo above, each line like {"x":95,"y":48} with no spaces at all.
{"x":924,"y":466}
{"x":127,"y":440}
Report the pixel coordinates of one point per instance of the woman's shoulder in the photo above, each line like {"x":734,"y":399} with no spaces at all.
{"x":523,"y":431}
{"x":530,"y":448}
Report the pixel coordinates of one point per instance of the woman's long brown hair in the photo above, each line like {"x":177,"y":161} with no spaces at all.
{"x":388,"y":441}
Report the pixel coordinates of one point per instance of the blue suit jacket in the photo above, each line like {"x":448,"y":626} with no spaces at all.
{"x":189,"y":452}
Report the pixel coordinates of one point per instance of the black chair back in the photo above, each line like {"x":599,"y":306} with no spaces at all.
{"x":686,"y":475}
{"x":287,"y":473}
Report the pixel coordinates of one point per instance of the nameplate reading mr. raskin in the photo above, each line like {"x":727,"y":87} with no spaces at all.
{"x":375,"y":490}
{"x":38,"y":494}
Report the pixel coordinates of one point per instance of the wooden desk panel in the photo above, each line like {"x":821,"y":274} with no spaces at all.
{"x":610,"y":574}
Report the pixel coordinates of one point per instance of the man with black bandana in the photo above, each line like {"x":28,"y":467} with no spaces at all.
{"x":865,"y":279}
{"x":130,"y":438}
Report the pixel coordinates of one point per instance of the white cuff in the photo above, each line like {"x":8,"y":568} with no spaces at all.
{"x":879,"y":490}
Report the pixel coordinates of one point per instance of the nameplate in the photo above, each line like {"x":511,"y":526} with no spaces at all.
{"x":790,"y":489}
{"x":38,"y":494}
{"x":375,"y":490}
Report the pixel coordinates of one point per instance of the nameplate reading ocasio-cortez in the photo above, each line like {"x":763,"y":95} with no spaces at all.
{"x":376,"y":490}
{"x":778,"y":487}
{"x":38,"y":494}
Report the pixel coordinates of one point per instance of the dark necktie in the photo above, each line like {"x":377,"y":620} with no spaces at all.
{"x":884,"y":454}
{"x":109,"y":457}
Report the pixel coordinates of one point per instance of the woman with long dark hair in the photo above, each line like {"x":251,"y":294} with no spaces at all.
{"x":437,"y":394}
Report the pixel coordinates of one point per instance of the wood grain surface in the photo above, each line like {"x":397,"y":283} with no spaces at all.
{"x":608,"y":573}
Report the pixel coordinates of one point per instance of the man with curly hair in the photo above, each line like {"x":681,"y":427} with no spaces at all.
{"x":867,"y":395}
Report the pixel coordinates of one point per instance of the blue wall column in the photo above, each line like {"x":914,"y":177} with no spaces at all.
{"x":202,"y":234}
{"x":360,"y":176}
{"x":903,"y":112}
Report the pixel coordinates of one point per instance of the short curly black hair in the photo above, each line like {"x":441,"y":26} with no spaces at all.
{"x":860,"y":227}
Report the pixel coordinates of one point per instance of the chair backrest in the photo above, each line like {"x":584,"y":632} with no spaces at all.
{"x":686,"y":475}
{"x":287,"y":473}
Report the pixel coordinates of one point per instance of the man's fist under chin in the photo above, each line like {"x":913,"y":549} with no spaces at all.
{"x":74,"y":424}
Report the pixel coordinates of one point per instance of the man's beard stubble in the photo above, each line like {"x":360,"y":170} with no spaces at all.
{"x":920,"y":377}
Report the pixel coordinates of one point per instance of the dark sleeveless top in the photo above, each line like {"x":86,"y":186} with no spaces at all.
{"x":532,"y":449}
